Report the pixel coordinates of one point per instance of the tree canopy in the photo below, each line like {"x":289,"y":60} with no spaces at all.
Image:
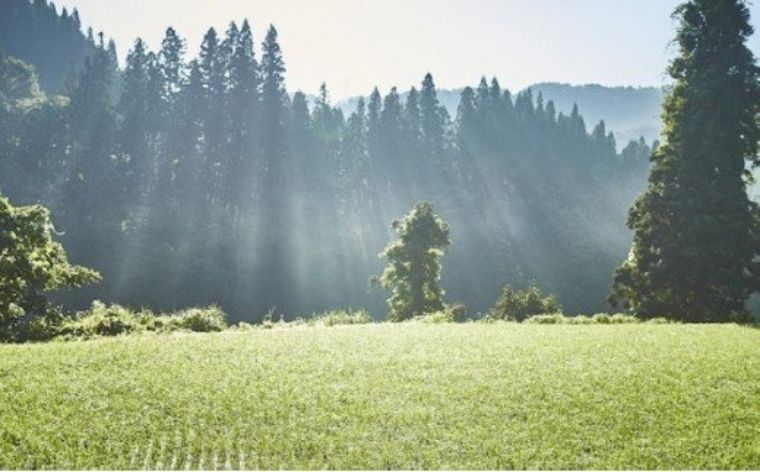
{"x":696,"y":233}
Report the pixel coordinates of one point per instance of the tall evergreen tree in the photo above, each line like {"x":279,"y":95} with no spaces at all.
{"x":433,"y":118}
{"x":696,"y":235}
{"x":414,"y":268}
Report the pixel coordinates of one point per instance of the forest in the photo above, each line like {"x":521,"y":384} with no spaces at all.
{"x":202,"y":268}
{"x":190,"y":179}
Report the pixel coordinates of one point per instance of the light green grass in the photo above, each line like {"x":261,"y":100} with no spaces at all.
{"x":389,"y":396}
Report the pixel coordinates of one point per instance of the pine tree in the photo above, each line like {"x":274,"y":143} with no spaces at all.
{"x":242,"y":106}
{"x":273,"y":97}
{"x":695,"y":246}
{"x":274,"y":269}
{"x":171,"y":63}
{"x":433,"y":121}
{"x":374,"y":107}
{"x":414,"y":267}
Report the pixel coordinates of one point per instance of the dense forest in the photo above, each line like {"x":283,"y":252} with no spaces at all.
{"x":191,"y":180}
{"x":629,"y":112}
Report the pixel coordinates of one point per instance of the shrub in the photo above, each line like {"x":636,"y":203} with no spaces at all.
{"x":618,"y":318}
{"x":437,"y":317}
{"x":341,"y":317}
{"x":243,"y":326}
{"x":555,"y":318}
{"x":517,"y":305}
{"x":201,"y":320}
{"x":599,"y":318}
{"x":105,"y":320}
{"x":458,"y":312}
{"x":113,"y":320}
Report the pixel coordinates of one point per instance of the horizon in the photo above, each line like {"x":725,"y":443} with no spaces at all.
{"x":489,"y":40}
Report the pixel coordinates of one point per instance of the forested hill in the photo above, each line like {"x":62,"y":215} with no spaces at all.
{"x":52,"y":41}
{"x":629,"y":112}
{"x":191,"y":180}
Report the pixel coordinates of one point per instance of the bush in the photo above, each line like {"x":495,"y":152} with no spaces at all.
{"x":458,"y":312}
{"x":341,"y":317}
{"x":113,"y":320}
{"x":547,"y":319}
{"x":200,"y":320}
{"x":599,"y":318}
{"x":618,"y":318}
{"x":579,"y":319}
{"x":517,"y":305}
{"x":437,"y":317}
{"x":105,"y":320}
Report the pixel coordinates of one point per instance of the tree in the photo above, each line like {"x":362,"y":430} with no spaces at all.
{"x":31,"y":263}
{"x":414,"y":263}
{"x":696,"y":235}
{"x":433,"y":118}
{"x":518,"y":305}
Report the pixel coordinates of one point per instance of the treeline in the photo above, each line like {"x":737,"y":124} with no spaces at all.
{"x":188,"y":182}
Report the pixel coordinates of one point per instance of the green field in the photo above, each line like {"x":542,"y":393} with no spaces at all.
{"x":389,"y":396}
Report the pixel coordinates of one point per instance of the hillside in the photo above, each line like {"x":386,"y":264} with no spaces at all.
{"x":629,"y":112}
{"x":50,"y":40}
{"x":408,"y":396}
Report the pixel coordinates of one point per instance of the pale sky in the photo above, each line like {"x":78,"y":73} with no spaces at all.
{"x":354,"y":45}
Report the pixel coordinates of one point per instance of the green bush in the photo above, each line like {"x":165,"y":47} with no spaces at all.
{"x":602,"y":318}
{"x":341,"y":317}
{"x":517,"y":305}
{"x":579,"y":319}
{"x":547,"y":319}
{"x":200,"y":320}
{"x":599,"y":318}
{"x":437,"y":317}
{"x":113,"y":320}
{"x":619,"y":318}
{"x":456,"y":313}
{"x":105,"y":320}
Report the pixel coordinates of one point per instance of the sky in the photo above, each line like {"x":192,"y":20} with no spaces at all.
{"x":355,"y":45}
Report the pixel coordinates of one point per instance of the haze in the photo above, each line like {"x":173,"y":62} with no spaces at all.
{"x":354,"y":45}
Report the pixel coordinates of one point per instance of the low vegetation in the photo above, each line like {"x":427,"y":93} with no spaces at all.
{"x":517,"y":305}
{"x":388,"y":396}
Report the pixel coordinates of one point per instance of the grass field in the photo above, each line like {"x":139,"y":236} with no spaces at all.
{"x":389,"y":396}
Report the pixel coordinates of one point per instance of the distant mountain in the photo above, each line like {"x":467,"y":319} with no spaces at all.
{"x":629,"y":112}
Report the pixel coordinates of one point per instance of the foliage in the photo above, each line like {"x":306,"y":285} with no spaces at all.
{"x":204,"y":320}
{"x":51,"y":40}
{"x":18,"y":83}
{"x":695,"y":248}
{"x":189,"y":179}
{"x":456,"y":313}
{"x":388,"y":396}
{"x":31,"y":263}
{"x":341,"y":317}
{"x":105,"y":320}
{"x":414,"y":269}
{"x":517,"y":305}
{"x":599,"y":318}
{"x":112,"y":320}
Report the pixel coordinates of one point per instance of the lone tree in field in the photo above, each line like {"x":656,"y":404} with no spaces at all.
{"x":31,"y":263}
{"x":414,"y":263}
{"x":695,"y":241}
